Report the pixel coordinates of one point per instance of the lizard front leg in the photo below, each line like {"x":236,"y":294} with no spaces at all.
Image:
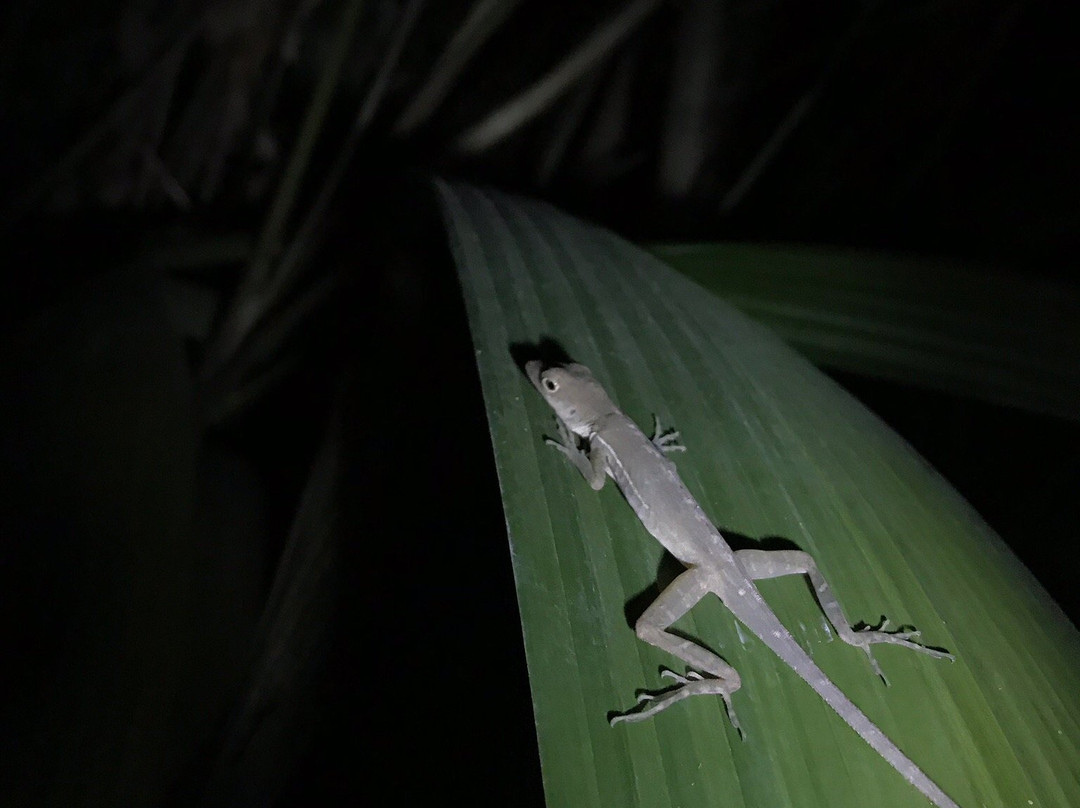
{"x":676,"y":600}
{"x":591,"y":464}
{"x":760,"y":564}
{"x":665,"y":441}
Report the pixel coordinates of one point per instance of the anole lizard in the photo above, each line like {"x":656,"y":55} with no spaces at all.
{"x":611,"y":444}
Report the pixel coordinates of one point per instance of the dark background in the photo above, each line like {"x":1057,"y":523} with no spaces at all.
{"x":217,"y":588}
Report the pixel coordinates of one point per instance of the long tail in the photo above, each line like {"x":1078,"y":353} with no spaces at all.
{"x":779,"y":639}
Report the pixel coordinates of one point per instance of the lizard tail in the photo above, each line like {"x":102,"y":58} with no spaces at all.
{"x":793,"y":654}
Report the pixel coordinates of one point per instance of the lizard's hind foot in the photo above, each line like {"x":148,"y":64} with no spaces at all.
{"x":693,"y":684}
{"x":865,"y":637}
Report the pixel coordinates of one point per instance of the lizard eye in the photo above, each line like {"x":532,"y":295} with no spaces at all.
{"x":551,"y":385}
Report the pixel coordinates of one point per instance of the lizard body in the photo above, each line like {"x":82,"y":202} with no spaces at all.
{"x":614,"y":446}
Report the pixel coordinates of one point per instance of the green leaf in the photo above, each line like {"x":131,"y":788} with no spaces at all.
{"x":1001,"y":337}
{"x":775,"y":451}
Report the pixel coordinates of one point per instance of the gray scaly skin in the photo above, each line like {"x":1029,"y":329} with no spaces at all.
{"x":612,"y":445}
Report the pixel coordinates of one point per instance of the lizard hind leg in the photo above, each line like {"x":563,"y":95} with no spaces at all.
{"x":760,"y":564}
{"x":652,"y":627}
{"x":693,"y":684}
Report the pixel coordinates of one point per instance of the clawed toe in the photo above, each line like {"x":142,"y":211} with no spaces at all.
{"x":869,"y":635}
{"x":691,"y":676}
{"x":692,"y":684}
{"x":665,"y":441}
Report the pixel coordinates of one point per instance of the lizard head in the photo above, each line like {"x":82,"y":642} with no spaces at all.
{"x":574,"y":394}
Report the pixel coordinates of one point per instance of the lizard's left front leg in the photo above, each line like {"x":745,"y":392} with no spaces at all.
{"x":592,"y":464}
{"x":675,"y":601}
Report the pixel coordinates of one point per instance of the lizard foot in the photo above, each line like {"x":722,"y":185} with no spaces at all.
{"x":567,"y":442}
{"x":568,"y":446}
{"x":665,"y":441}
{"x":865,"y":637}
{"x":868,"y":636}
{"x":693,"y":684}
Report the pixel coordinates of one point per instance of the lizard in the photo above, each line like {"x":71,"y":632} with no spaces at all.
{"x":601,"y":441}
